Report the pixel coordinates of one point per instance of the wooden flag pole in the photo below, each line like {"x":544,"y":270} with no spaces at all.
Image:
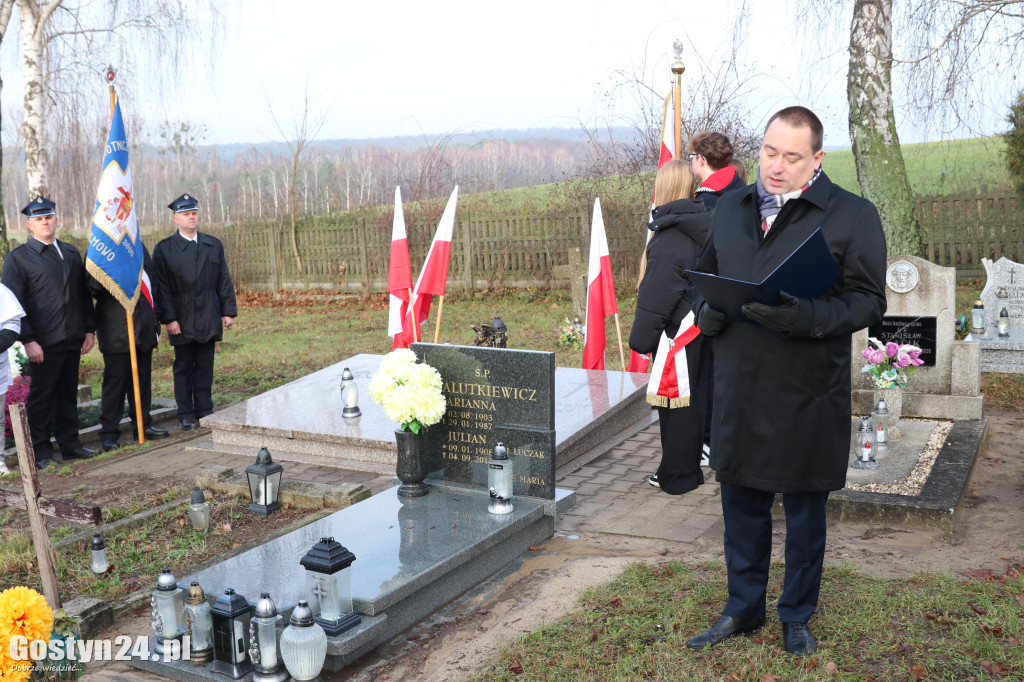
{"x":618,"y":332}
{"x":412,"y":317}
{"x":676,"y":119}
{"x":437,"y":327}
{"x":30,"y":479}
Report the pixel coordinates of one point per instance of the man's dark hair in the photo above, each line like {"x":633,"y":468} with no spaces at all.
{"x":801,"y":117}
{"x":714,"y":147}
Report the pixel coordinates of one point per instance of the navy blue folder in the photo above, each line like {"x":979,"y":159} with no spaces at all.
{"x":806,"y":273}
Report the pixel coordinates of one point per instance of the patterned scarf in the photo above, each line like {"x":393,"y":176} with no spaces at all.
{"x":771,"y":204}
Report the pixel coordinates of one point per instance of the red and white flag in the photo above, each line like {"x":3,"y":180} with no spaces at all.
{"x":600,"y":292}
{"x":147,"y":293}
{"x":400,"y":327}
{"x":670,"y":378}
{"x":434,"y":275}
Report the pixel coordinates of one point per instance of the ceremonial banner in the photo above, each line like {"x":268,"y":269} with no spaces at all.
{"x":434,"y":275}
{"x":114,"y":256}
{"x":400,"y":327}
{"x":600,"y":292}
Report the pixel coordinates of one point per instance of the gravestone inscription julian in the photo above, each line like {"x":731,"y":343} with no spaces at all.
{"x":493,"y":395}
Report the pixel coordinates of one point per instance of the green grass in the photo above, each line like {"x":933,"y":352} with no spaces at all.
{"x":635,"y":628}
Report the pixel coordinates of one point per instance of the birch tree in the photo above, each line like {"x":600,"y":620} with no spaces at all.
{"x":6,"y":8}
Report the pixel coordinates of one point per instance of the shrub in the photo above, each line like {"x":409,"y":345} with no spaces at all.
{"x":1015,"y":143}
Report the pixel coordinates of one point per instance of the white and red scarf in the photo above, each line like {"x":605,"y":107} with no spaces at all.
{"x":669,"y":385}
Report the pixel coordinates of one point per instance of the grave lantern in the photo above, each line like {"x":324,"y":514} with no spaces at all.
{"x":167,"y":602}
{"x":264,"y":483}
{"x":231,"y":614}
{"x":1004,"y":317}
{"x":303,"y":644}
{"x":865,"y":446}
{"x":880,"y":420}
{"x":99,"y":555}
{"x":978,"y":318}
{"x":264,"y":634}
{"x":499,"y":481}
{"x":349,"y":395}
{"x":499,"y":332}
{"x":199,"y":511}
{"x":329,"y":585}
{"x":198,"y":625}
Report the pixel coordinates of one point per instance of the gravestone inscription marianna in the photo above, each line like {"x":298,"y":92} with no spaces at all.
{"x":493,"y":395}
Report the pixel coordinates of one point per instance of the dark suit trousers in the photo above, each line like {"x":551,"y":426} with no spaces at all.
{"x":53,"y":399}
{"x":682,"y":428}
{"x":117,"y":383}
{"x":193,"y":379}
{"x":748,"y":551}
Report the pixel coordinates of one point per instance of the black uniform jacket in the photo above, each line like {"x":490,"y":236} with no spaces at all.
{"x":679,"y":231}
{"x":112,"y":323}
{"x":781,"y":417}
{"x":55,"y":295}
{"x":193,"y":288}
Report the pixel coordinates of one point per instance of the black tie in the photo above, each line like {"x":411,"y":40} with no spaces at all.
{"x":52,"y":250}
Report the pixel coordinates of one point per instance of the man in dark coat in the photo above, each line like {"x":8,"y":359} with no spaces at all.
{"x":711,"y":160}
{"x":48,"y":277}
{"x":196,"y":300}
{"x":781,"y":418}
{"x":112,"y":333}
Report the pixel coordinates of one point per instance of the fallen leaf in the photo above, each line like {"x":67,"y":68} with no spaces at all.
{"x":770,"y":678}
{"x":286,"y":505}
{"x":918,"y":672}
{"x":532,"y":548}
{"x":226,"y":528}
{"x":615,"y":601}
{"x":995,"y":668}
{"x":978,"y":610}
{"x":830,"y":668}
{"x":181,"y":522}
{"x":515,"y":668}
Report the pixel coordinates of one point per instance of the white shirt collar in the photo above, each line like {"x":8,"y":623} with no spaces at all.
{"x":53,"y":243}
{"x":194,"y":238}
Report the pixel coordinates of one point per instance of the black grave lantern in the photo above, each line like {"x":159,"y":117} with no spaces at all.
{"x":499,"y":332}
{"x":264,"y":483}
{"x":329,"y":586}
{"x":231,"y":614}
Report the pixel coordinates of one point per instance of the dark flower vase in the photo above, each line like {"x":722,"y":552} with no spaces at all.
{"x":411,"y":468}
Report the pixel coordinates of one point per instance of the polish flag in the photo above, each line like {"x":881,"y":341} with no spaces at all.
{"x":399,"y":281}
{"x":600,"y":293}
{"x":434,"y":274}
{"x":147,"y":293}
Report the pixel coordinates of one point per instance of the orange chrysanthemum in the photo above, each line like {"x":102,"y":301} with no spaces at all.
{"x":7,"y":671}
{"x":24,"y":612}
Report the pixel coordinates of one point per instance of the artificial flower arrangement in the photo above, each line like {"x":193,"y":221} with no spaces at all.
{"x":571,"y":333}
{"x":409,"y":392}
{"x":890,"y":364}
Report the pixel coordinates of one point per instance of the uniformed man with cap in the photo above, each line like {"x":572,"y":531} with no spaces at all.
{"x":48,"y":277}
{"x":196,"y":300}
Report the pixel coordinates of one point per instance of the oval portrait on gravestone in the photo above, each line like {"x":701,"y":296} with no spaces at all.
{"x":902,"y":276}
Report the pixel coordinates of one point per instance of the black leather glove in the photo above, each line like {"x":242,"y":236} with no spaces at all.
{"x":780,"y":318}
{"x":709,"y":321}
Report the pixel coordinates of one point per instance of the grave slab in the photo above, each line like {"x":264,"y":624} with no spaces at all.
{"x":412,"y":556}
{"x":301,"y":421}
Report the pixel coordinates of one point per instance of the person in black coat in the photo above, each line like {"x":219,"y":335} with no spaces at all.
{"x":196,"y":300}
{"x":679,"y":227}
{"x":48,"y":277}
{"x":781,"y":419}
{"x":711,"y":161}
{"x":112,"y":337}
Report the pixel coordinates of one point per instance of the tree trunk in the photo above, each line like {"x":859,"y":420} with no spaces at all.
{"x":32,"y":127}
{"x":5,"y":236}
{"x":876,"y":147}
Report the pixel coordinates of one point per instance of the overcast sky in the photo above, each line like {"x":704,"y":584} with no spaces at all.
{"x":380,"y":69}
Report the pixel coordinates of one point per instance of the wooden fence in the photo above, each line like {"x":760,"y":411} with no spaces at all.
{"x":345,"y":254}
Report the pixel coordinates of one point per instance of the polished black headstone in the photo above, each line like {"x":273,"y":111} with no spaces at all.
{"x":494,"y":394}
{"x":919,"y":331}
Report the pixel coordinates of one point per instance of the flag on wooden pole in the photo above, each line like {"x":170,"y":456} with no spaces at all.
{"x":400,"y":326}
{"x":600,"y":292}
{"x":434,"y":275}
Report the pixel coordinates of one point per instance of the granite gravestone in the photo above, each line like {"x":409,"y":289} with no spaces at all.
{"x":921,"y":300}
{"x":1002,"y":273}
{"x":493,"y":394}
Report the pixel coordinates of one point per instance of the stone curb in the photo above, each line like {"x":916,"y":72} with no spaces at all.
{"x":297,"y":493}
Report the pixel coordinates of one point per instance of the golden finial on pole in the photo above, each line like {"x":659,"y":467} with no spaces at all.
{"x":677,"y":115}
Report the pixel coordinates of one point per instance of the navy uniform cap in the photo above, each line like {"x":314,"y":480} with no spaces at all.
{"x":40,"y":206}
{"x":186,"y":202}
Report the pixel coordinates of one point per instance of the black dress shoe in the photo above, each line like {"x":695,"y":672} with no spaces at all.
{"x":727,"y":626}
{"x":110,"y":444}
{"x":189,"y":423}
{"x":151,"y":433}
{"x":799,"y":639}
{"x":81,"y":452}
{"x":43,"y":463}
